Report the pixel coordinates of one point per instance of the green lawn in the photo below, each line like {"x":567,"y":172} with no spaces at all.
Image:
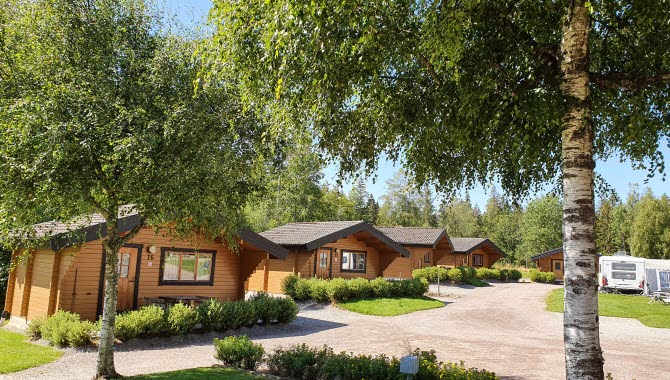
{"x":16,"y":353}
{"x":623,"y":306}
{"x":198,"y":374}
{"x":390,"y":306}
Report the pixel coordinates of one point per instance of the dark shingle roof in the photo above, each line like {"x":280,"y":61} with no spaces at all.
{"x":93,"y":227}
{"x":312,"y":235}
{"x":467,"y":245}
{"x":414,"y":236}
{"x":548,"y":253}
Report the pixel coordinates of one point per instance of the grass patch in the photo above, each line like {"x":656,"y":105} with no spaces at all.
{"x":391,"y":306}
{"x":475,"y":282}
{"x":16,"y":353}
{"x":198,"y":374}
{"x":622,"y":306}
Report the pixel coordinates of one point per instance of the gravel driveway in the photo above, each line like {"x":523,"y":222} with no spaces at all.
{"x":503,"y":328}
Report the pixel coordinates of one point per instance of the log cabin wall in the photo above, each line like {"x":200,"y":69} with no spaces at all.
{"x":39,"y":287}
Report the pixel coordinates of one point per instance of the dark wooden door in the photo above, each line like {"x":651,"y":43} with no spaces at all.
{"x":323,"y":257}
{"x":127,"y":268}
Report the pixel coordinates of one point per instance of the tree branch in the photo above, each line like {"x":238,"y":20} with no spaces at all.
{"x":625,"y":81}
{"x":134,"y":231}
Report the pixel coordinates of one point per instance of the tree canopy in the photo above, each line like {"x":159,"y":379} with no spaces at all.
{"x":99,"y":109}
{"x":465,"y":90}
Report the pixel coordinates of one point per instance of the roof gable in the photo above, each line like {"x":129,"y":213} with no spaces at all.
{"x":312,"y":235}
{"x":415,"y":236}
{"x":467,"y":245}
{"x":548,"y":253}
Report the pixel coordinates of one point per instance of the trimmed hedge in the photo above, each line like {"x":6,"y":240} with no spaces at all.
{"x":306,"y":363}
{"x":66,"y":329}
{"x":465,"y":274}
{"x":339,"y":289}
{"x":545,"y":277}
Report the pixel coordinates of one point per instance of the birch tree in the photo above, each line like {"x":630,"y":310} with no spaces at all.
{"x":98,"y":109}
{"x":468,"y":91}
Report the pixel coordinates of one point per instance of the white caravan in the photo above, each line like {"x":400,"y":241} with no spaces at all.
{"x":622,"y":273}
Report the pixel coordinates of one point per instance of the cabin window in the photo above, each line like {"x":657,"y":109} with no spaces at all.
{"x":124,"y":265}
{"x":323,"y":260}
{"x":478,"y":260}
{"x":426,"y":258}
{"x":353,"y":261}
{"x":187,"y":267}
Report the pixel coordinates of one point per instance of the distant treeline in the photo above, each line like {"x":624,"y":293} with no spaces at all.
{"x":295,"y":193}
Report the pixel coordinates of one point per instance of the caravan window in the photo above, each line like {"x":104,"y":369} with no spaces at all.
{"x":664,"y":277}
{"x":623,"y":275}
{"x":623,"y":266}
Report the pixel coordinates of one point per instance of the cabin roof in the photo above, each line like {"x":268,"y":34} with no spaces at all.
{"x":467,"y":245}
{"x":93,"y":227}
{"x":312,"y":235}
{"x":548,"y":253}
{"x":416,"y":236}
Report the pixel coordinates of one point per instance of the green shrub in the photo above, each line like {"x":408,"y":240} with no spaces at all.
{"x":239,"y":352}
{"x":411,"y":288}
{"x":338,"y":290}
{"x":237,"y":314}
{"x":288,"y":310}
{"x":455,"y":275}
{"x":381,"y":287}
{"x":79,"y":334}
{"x":298,"y":361}
{"x":266,"y":309}
{"x":181,"y":319}
{"x":319,"y":290}
{"x":303,"y":289}
{"x":545,"y":277}
{"x":515,"y":275}
{"x":306,"y":363}
{"x":269,"y":309}
{"x":34,"y":330}
{"x":211,"y":314}
{"x":504,"y":275}
{"x":487,"y":274}
{"x":288,"y":285}
{"x":468,"y":272}
{"x":359,"y":288}
{"x":149,"y":320}
{"x":67,"y":329}
{"x":432,"y":273}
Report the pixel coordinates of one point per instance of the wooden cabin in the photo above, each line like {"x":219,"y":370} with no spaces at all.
{"x":427,"y":246}
{"x":326,"y":250}
{"x":473,"y":252}
{"x":68,"y":272}
{"x":552,"y":261}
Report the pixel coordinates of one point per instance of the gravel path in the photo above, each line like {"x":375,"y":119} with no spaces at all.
{"x":503,"y":328}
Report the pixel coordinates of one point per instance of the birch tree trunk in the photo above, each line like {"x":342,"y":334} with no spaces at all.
{"x":111,"y":244}
{"x":583,"y":356}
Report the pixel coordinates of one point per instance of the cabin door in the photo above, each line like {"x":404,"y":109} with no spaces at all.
{"x":127,"y":268}
{"x":323,"y":260}
{"x":557,"y":268}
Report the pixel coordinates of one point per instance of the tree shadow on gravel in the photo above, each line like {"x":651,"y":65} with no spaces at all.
{"x":302,"y":326}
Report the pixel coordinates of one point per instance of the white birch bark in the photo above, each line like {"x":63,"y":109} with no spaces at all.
{"x":583,"y":356}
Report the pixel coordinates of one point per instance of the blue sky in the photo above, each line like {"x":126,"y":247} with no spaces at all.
{"x":618,"y":174}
